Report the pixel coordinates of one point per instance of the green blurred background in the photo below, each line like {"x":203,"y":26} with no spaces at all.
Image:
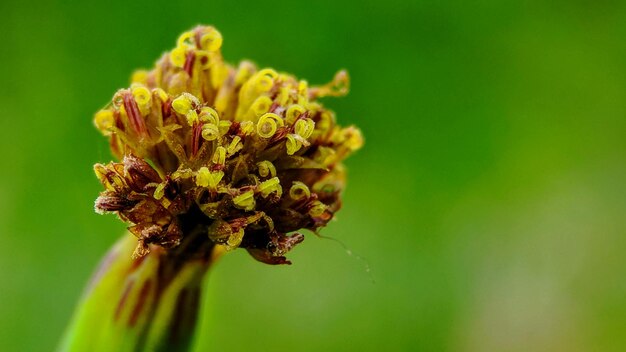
{"x":489,"y":200}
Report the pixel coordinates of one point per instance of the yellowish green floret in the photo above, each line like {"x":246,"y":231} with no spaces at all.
{"x":245,"y":156}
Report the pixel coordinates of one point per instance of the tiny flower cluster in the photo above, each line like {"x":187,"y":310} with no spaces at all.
{"x":246,"y":155}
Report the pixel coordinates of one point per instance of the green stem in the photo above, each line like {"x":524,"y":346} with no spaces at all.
{"x":145,"y":304}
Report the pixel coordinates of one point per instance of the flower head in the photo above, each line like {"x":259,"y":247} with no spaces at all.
{"x":241,"y":155}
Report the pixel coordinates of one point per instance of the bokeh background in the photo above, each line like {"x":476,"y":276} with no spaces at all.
{"x":486,"y":211}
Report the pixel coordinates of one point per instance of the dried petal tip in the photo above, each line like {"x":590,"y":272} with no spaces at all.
{"x":241,"y":155}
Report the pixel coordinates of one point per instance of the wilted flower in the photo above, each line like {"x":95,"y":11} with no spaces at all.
{"x":213,"y":158}
{"x":214,"y":154}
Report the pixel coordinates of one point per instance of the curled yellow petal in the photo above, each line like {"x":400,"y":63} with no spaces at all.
{"x":267,"y":125}
{"x":104,"y":120}
{"x":192,"y":117}
{"x":244,"y":72}
{"x":266,"y":169}
{"x":264,"y":79}
{"x":182,"y":104}
{"x":303,"y":93}
{"x":160,"y":93}
{"x":293,"y":112}
{"x":178,"y":56}
{"x":339,"y":86}
{"x":317,"y":209}
{"x":209,"y":115}
{"x":139,"y":76}
{"x":324,"y":155}
{"x":304,"y":127}
{"x":185,"y":39}
{"x":292,"y":144}
{"x":142,"y":95}
{"x":325,"y":121}
{"x":210,"y":132}
{"x":261,"y":105}
{"x":353,"y":139}
{"x":299,"y":191}
{"x":224,"y":126}
{"x":212,"y":40}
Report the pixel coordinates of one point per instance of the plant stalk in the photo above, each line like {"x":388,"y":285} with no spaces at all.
{"x":144,"y":304}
